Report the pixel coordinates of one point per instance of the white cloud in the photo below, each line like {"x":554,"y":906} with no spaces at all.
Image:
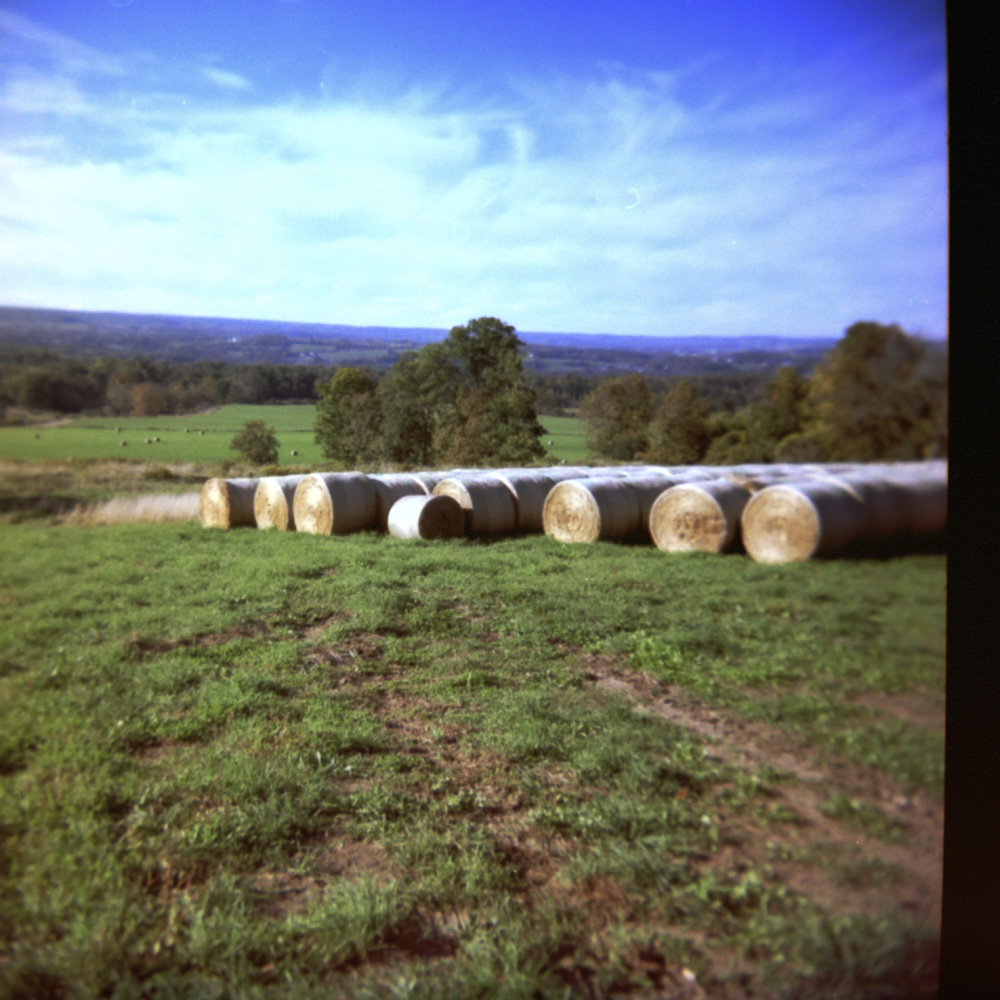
{"x":790,"y":214}
{"x":226,"y":80}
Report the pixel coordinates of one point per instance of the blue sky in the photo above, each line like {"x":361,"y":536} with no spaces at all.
{"x":681,"y":167}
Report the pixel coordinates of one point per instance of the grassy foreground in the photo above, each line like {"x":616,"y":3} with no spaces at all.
{"x":247,"y":764}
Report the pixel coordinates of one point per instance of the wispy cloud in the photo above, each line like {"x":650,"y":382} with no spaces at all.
{"x":601,"y":203}
{"x":226,"y":79}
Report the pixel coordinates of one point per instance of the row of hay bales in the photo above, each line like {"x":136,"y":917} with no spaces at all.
{"x":778,"y":513}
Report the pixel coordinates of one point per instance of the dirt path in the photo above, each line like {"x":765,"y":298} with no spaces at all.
{"x":752,"y":747}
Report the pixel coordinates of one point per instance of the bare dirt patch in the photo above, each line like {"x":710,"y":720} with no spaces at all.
{"x":279,"y":893}
{"x":139,"y":646}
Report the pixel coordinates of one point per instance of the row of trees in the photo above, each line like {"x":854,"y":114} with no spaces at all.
{"x":879,"y":394}
{"x":44,"y":380}
{"x":463,"y":401}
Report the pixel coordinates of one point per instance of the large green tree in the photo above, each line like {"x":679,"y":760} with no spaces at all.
{"x":678,"y":433}
{"x":875,"y":396}
{"x":493,"y":420}
{"x":617,"y":416}
{"x":464,"y":401}
{"x":420,"y":389}
{"x":349,"y":418}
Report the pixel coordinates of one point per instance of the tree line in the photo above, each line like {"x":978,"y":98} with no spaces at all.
{"x":139,"y":386}
{"x":879,"y":394}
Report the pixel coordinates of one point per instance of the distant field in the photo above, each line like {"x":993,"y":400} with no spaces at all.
{"x":566,"y":435}
{"x":182,"y":440}
{"x":181,"y":437}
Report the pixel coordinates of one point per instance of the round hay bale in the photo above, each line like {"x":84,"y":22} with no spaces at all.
{"x":334,"y":503}
{"x":426,"y":516}
{"x":884,"y":504}
{"x":530,"y":490}
{"x":487,"y":502}
{"x":926,"y":506}
{"x":430,"y":478}
{"x":273,"y":502}
{"x":227,"y":503}
{"x":649,"y":485}
{"x":698,"y":516}
{"x":590,"y":510}
{"x":393,"y":486}
{"x":794,"y":521}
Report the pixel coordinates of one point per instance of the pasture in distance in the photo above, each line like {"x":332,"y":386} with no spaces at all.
{"x":205,"y":437}
{"x":278,"y":765}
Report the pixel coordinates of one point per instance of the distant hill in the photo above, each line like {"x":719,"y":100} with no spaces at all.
{"x":111,"y":327}
{"x":179,"y":339}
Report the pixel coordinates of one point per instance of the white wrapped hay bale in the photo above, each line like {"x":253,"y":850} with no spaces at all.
{"x":488,"y":503}
{"x":390,"y":487}
{"x":884,"y":501}
{"x":334,"y":503}
{"x":794,"y":521}
{"x":698,"y":516}
{"x":756,"y":477}
{"x":227,"y":503}
{"x":530,"y":490}
{"x":602,"y":508}
{"x":563,"y":472}
{"x":927,"y":498}
{"x":272,"y":502}
{"x":429,"y":478}
{"x":426,"y":516}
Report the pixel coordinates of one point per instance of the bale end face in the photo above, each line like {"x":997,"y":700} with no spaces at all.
{"x":273,"y":502}
{"x":688,"y":520}
{"x":227,"y":503}
{"x":698,"y":517}
{"x":781,"y":525}
{"x":571,"y":514}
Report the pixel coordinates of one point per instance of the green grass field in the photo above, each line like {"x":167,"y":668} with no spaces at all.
{"x":206,"y":437}
{"x":247,"y":764}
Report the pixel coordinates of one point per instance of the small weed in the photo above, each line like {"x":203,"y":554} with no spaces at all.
{"x":863,"y":816}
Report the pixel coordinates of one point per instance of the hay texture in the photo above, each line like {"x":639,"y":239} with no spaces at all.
{"x":272,"y":502}
{"x":488,"y":503}
{"x":426,"y":517}
{"x":698,"y":516}
{"x":648,"y":487}
{"x":335,"y":503}
{"x":602,"y":508}
{"x":390,"y":487}
{"x":795,"y":521}
{"x":227,"y":503}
